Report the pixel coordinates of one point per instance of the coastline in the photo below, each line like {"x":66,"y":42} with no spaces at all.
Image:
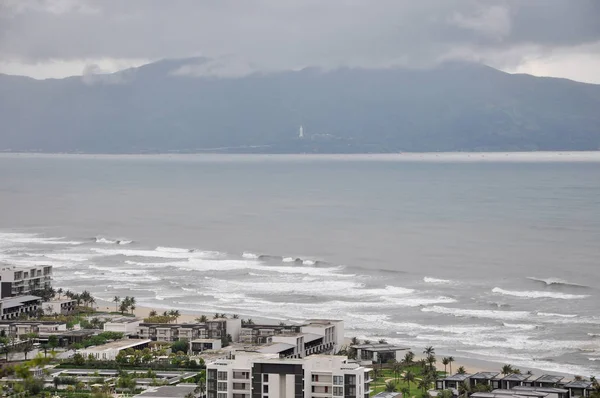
{"x":471,"y":365}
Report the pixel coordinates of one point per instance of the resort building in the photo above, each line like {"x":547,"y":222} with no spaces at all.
{"x":452,"y":382}
{"x":379,"y":353}
{"x":268,"y":376}
{"x":515,"y":380}
{"x":552,"y":392}
{"x":17,"y":281}
{"x":579,"y":388}
{"x":45,"y":329}
{"x":200,"y":345}
{"x":126,"y":325}
{"x":109,"y":351}
{"x":212,"y":329}
{"x":548,"y":381}
{"x":263,"y":334}
{"x":176,"y":391}
{"x":485,"y":378}
{"x":14,"y":307}
{"x":59,"y":307}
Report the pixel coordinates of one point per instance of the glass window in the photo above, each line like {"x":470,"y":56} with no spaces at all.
{"x":338,"y":391}
{"x":222,"y":395}
{"x":222,"y":386}
{"x":222,"y":376}
{"x":266,"y":388}
{"x":338,"y":380}
{"x":265,"y":378}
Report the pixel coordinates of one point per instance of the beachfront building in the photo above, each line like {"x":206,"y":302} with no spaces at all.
{"x":109,"y":351}
{"x":45,"y":329}
{"x":579,"y":388}
{"x":126,"y":325}
{"x":64,"y":306}
{"x":515,"y":380}
{"x":268,"y":376}
{"x":485,"y":378}
{"x":200,"y":345}
{"x":552,"y":392}
{"x":263,"y":334}
{"x":15,"y":307}
{"x":20,"y":281}
{"x":548,"y":381}
{"x":452,"y":382}
{"x":379,"y":353}
{"x":212,"y":329}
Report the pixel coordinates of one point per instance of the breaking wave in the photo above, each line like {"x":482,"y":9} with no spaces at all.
{"x":436,"y":281}
{"x":251,"y":256}
{"x":100,"y":239}
{"x":490,"y":314}
{"x":538,"y":294}
{"x":555,"y":281}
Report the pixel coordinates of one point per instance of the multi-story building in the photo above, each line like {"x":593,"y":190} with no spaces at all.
{"x":268,"y":376}
{"x":212,"y":329}
{"x":14,"y":307}
{"x":315,"y":337}
{"x":60,"y":307}
{"x":18,"y":281}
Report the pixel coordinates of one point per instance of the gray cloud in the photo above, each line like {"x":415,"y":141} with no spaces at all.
{"x":281,"y":34}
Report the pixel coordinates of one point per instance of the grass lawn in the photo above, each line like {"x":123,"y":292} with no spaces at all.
{"x":378,"y":384}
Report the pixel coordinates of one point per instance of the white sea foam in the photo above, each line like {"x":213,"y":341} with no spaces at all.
{"x":551,"y":314}
{"x":157,"y":253}
{"x":288,"y":259}
{"x":165,"y":249}
{"x":416,"y":328}
{"x":538,"y":294}
{"x":467,"y":313}
{"x":100,"y":239}
{"x":436,"y":281}
{"x":521,"y":326}
{"x":250,"y":256}
{"x":594,"y":334}
{"x":308,"y":262}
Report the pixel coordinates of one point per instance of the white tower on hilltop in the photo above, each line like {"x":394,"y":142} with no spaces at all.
{"x":301,"y":132}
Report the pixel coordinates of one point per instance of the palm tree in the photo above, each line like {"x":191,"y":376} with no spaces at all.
{"x":409,"y":377}
{"x":117,"y":300}
{"x":450,"y":360}
{"x":409,"y":357}
{"x":382,"y":341}
{"x":59,"y":291}
{"x":202,"y":319}
{"x":429,"y":350}
{"x":461,"y":370}
{"x":132,"y":303}
{"x":390,"y":386}
{"x":507,"y":369}
{"x":152,"y":313}
{"x":216,"y":315}
{"x":354,"y":341}
{"x":235,"y":316}
{"x":397,"y":368}
{"x":445,"y":362}
{"x":431,"y":360}
{"x":406,"y":392}
{"x":464,"y":389}
{"x":445,"y":394}
{"x":176,"y":314}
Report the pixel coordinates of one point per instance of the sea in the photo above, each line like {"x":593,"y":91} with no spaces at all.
{"x":489,"y":256}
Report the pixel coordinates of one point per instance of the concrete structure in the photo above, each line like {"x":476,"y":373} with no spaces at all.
{"x":388,"y":395}
{"x":552,"y":392}
{"x":452,"y":382}
{"x":177,"y":391}
{"x":213,"y":329}
{"x":14,"y":307}
{"x":379,"y":353}
{"x":486,"y":378}
{"x":200,"y":345}
{"x":109,"y":351}
{"x":548,"y":381}
{"x":579,"y":388}
{"x":514,"y":380}
{"x":263,"y":334}
{"x":59,"y":307}
{"x":268,"y":376}
{"x":126,"y":325}
{"x":19,"y":281}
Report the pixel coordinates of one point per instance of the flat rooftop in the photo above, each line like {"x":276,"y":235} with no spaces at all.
{"x":379,"y":347}
{"x":275,"y":348}
{"x":550,"y":390}
{"x":119,"y":344}
{"x":124,"y":319}
{"x":177,"y":391}
{"x":11,"y":302}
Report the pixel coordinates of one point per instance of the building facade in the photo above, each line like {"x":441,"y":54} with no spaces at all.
{"x":19,"y":281}
{"x":15,"y":307}
{"x":213,"y":329}
{"x":268,"y":376}
{"x":60,"y":307}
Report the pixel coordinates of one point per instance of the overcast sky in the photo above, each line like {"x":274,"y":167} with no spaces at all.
{"x":56,"y":38}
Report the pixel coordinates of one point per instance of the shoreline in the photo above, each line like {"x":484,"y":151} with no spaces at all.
{"x":471,"y":365}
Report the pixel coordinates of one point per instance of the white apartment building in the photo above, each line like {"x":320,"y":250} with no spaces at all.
{"x":18,"y":281}
{"x":126,"y":325}
{"x":59,"y":307}
{"x":109,"y":351}
{"x":258,"y":375}
{"x":14,"y":307}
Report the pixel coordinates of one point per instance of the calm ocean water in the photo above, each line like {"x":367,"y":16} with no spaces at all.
{"x":491,"y":256}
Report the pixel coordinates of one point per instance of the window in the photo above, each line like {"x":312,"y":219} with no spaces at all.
{"x":351,"y":391}
{"x":265,"y":378}
{"x":222,"y":386}
{"x":315,"y":377}
{"x":338,"y":391}
{"x":338,"y":380}
{"x":351,"y":379}
{"x":266,"y":388}
{"x":222,"y":376}
{"x":222,"y":395}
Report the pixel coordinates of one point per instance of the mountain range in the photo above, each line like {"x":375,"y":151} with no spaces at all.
{"x":179,"y":106}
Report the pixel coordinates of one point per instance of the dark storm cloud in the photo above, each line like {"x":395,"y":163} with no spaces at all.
{"x":294,"y":33}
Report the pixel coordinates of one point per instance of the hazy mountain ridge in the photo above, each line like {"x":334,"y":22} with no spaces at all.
{"x":155,"y":108}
